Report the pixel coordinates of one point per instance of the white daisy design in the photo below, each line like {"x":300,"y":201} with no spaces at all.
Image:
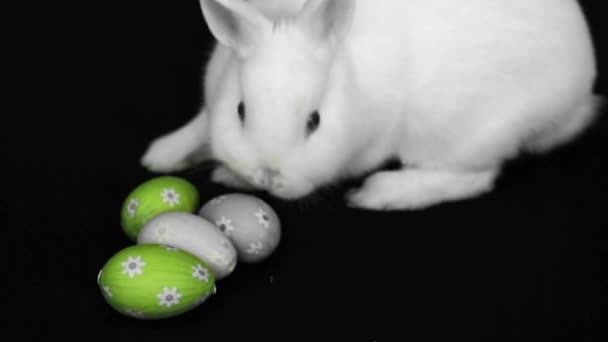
{"x":227,"y":245}
{"x":225,"y":225}
{"x":200,"y":273}
{"x":132,"y":207}
{"x":169,"y":297}
{"x":218,"y":258}
{"x":262,"y":217}
{"x":169,"y":248}
{"x":232,"y":266}
{"x":164,"y":233}
{"x":255,"y":248}
{"x":170,"y":196}
{"x":218,"y":200}
{"x":134,"y":313}
{"x":106,"y":289}
{"x":133,"y":266}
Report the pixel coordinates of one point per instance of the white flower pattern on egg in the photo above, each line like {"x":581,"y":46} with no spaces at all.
{"x":164,"y":233}
{"x":134,"y":313}
{"x":262,"y":217}
{"x":255,"y":248}
{"x":219,"y":258}
{"x":169,"y":248}
{"x":170,"y":196}
{"x":227,"y":245}
{"x":225,"y":225}
{"x":232,"y":266}
{"x":132,"y":207}
{"x":106,"y":289}
{"x":218,"y":200}
{"x":133,"y":266}
{"x":200,"y":273}
{"x":169,"y":297}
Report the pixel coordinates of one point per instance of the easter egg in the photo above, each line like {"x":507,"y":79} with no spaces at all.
{"x":250,"y":223}
{"x":195,"y":235}
{"x":158,"y":195}
{"x":155,"y":281}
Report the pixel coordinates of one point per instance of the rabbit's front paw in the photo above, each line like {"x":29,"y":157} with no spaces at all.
{"x":378,"y":192}
{"x":170,"y":153}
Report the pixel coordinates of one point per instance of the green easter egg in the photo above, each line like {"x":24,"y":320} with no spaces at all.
{"x":155,"y":281}
{"x":156,"y":196}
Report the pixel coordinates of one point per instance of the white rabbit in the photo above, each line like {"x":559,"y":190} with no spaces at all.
{"x":300,"y":94}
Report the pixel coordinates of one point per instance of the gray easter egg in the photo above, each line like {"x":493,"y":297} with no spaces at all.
{"x":250,"y":223}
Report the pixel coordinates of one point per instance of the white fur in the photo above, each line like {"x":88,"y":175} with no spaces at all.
{"x":451,"y":88}
{"x":180,"y":149}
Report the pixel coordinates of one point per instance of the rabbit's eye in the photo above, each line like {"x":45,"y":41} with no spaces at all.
{"x":241,"y":110}
{"x":313,"y":122}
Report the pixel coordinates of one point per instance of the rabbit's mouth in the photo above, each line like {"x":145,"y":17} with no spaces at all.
{"x":266,"y":179}
{"x":273,"y":182}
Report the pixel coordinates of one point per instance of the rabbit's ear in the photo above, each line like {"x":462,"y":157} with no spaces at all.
{"x":327,"y":20}
{"x":235,"y":23}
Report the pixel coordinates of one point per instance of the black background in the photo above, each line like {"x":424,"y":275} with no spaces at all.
{"x":524,"y":263}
